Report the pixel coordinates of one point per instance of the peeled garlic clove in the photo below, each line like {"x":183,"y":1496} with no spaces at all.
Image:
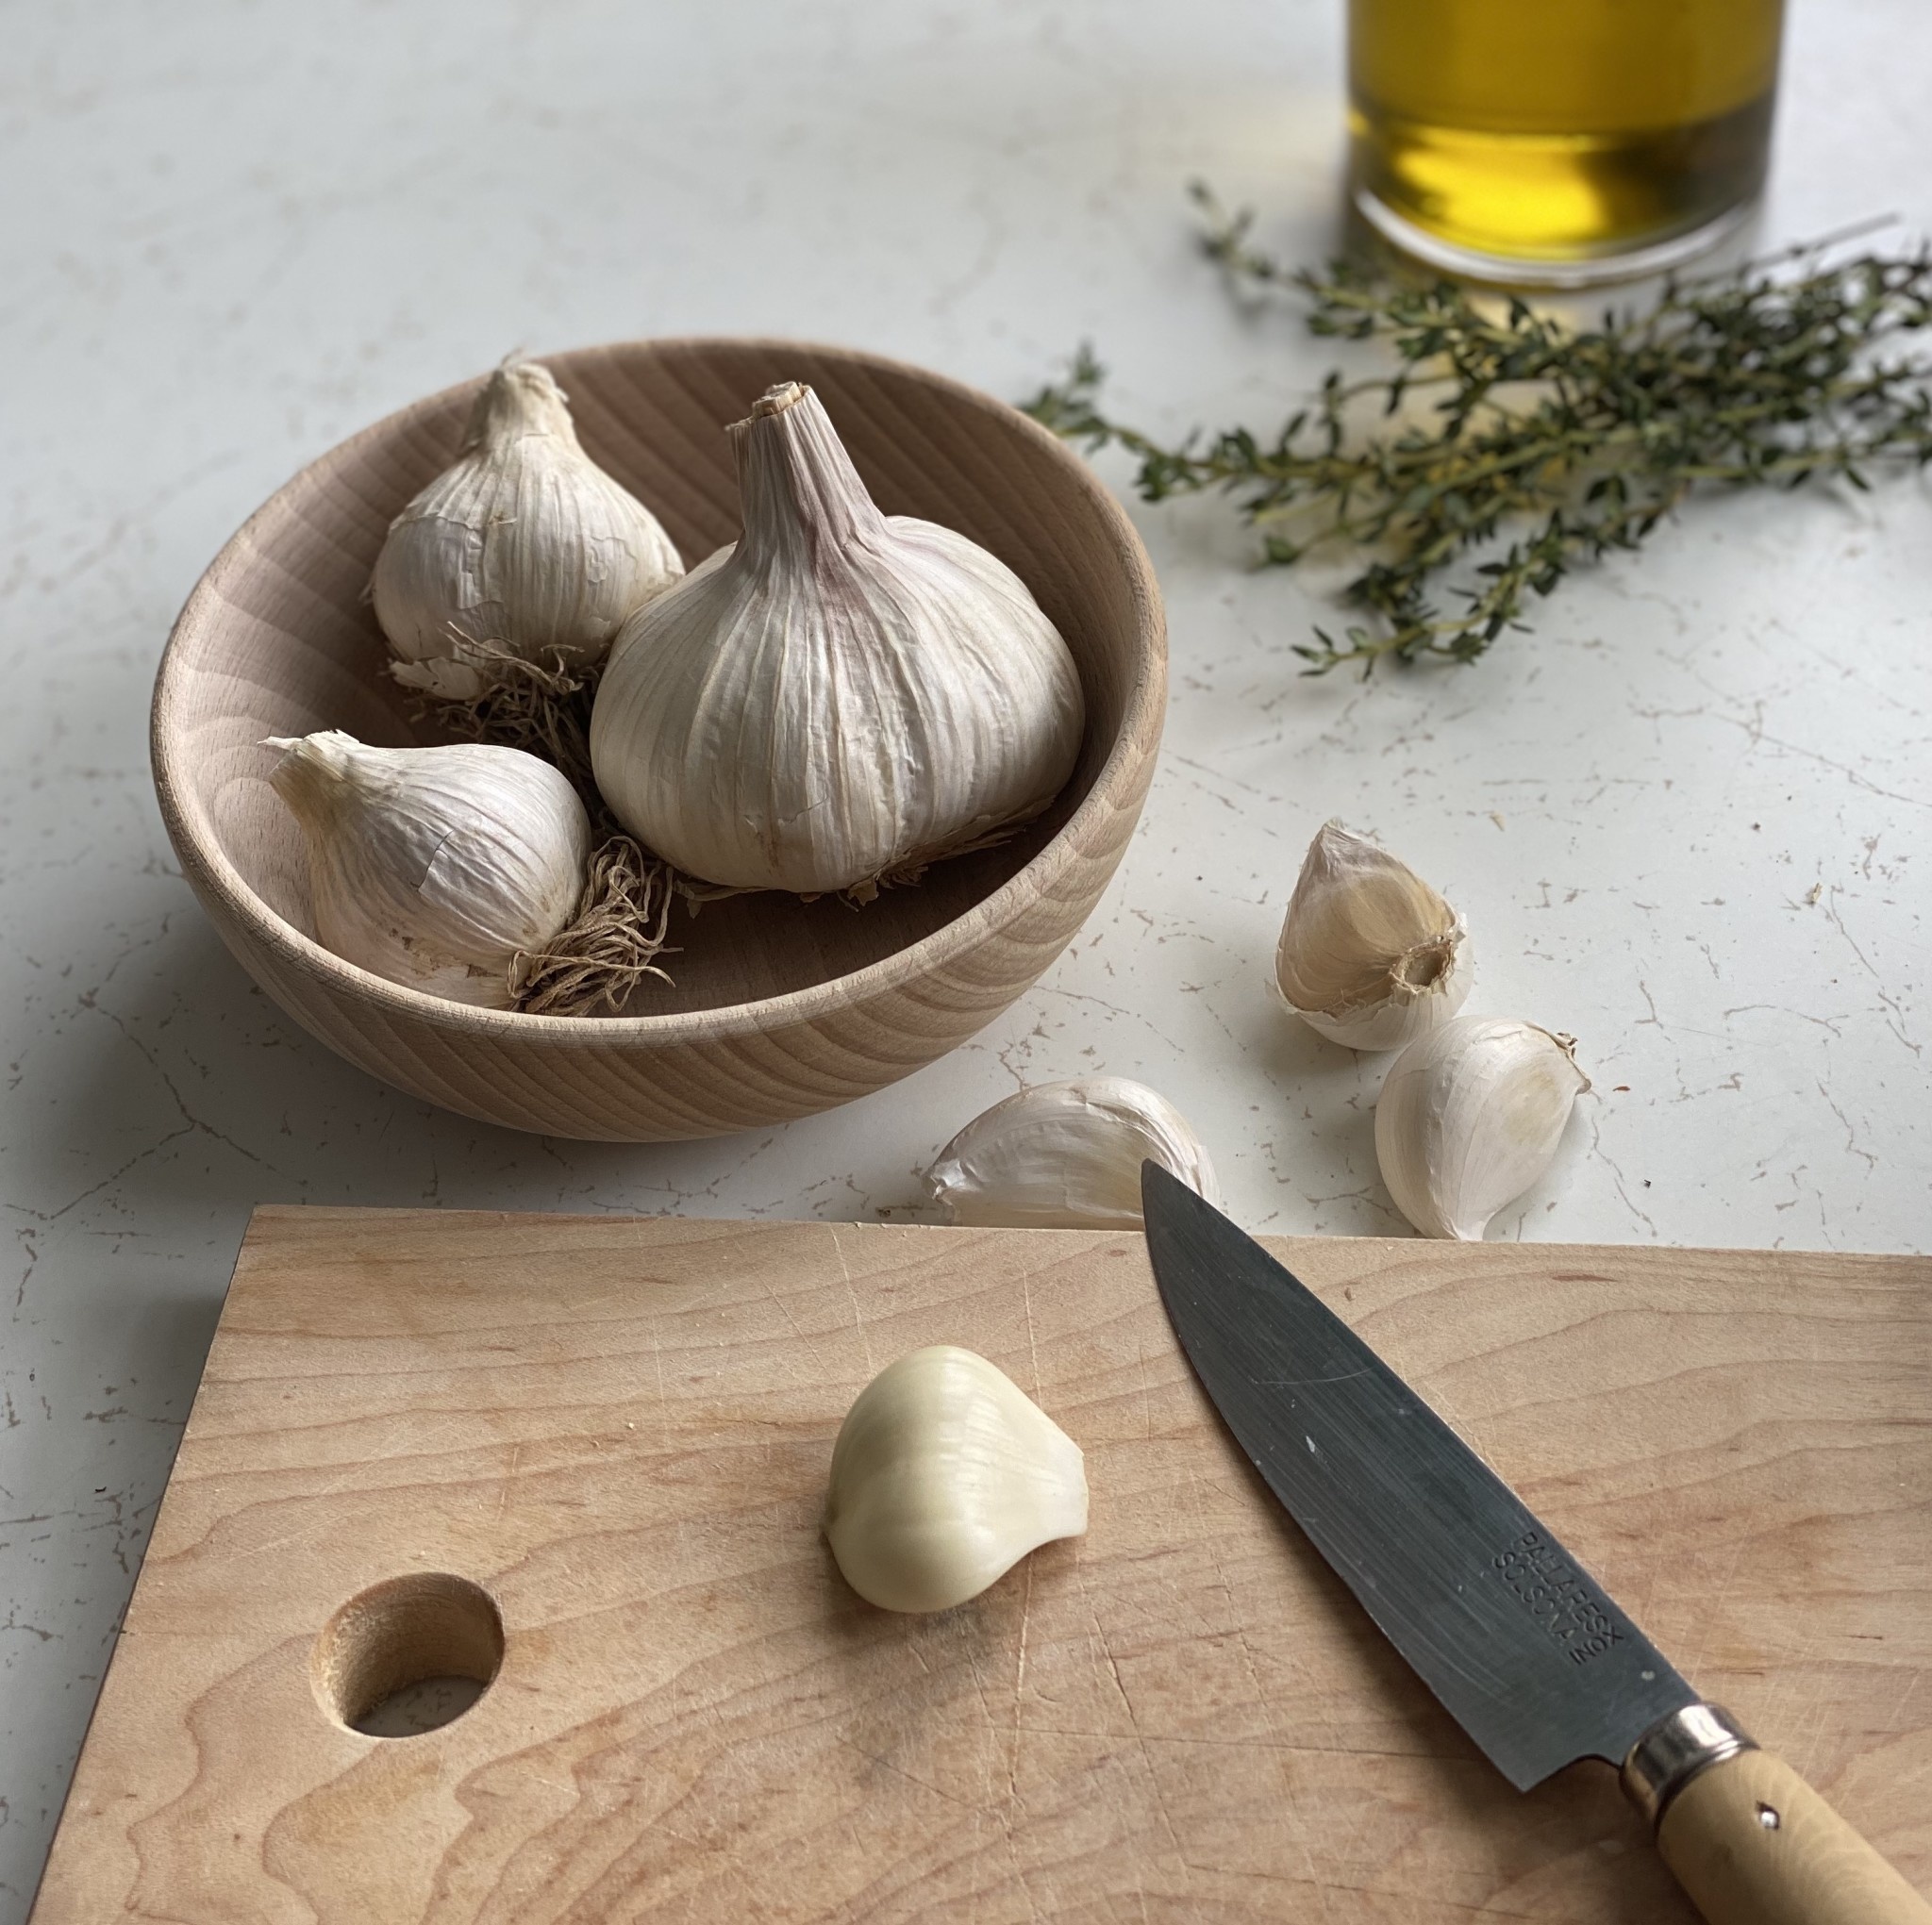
{"x":1469,"y":1117}
{"x":944,"y":1476}
{"x":839,"y":695}
{"x":524,"y":546}
{"x":434,"y":868}
{"x":1067,"y":1156}
{"x":1369,"y":955}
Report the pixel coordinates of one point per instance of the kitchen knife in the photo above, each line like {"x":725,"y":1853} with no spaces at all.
{"x":1525,"y":1649}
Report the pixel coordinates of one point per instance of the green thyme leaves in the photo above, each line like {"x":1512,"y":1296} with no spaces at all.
{"x":1504,"y":446}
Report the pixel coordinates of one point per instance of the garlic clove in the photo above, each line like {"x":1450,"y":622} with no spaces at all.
{"x":1369,"y":955}
{"x":1469,"y":1117}
{"x":1067,"y":1156}
{"x":944,"y":1476}
{"x":839,"y":696}
{"x":523,"y":546}
{"x":435,"y":868}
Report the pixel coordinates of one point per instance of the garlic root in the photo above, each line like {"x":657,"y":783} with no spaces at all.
{"x":622,"y":926}
{"x":542,"y":707}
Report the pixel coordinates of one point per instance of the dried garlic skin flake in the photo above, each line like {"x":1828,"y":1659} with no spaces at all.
{"x":1469,"y":1117}
{"x":1067,"y":1156}
{"x":840,"y":697}
{"x":944,"y":1476}
{"x":523,"y":546}
{"x":1369,"y":955}
{"x":434,"y":868}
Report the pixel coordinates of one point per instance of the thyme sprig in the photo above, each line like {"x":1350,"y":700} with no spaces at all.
{"x":1570,"y":442}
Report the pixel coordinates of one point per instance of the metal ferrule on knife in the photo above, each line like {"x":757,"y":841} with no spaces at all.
{"x":1674,"y":1750}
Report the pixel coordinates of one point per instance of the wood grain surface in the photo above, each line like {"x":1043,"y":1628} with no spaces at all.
{"x":619,"y":1430}
{"x":779,"y":1008}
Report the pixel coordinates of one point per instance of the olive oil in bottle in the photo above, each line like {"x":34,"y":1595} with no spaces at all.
{"x":1560,"y":132}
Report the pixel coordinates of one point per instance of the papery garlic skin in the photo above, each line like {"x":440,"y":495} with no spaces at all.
{"x":1067,"y":1156}
{"x":523,"y":546}
{"x":1469,"y":1117}
{"x":435,"y":868}
{"x":1369,"y":955}
{"x":944,"y":1476}
{"x":841,"y":694}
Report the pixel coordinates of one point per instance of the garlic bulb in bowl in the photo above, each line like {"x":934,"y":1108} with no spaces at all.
{"x":1470,"y":1115}
{"x":523,"y":546}
{"x":1067,"y":1156}
{"x":1369,"y":955}
{"x":435,"y":868}
{"x":838,"y":696}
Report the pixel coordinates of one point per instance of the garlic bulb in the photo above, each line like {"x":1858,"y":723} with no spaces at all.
{"x":841,"y":694}
{"x":524,"y":546}
{"x":434,"y":868}
{"x":1469,"y":1117}
{"x":944,"y":1476}
{"x":1369,"y":955}
{"x":1067,"y":1156}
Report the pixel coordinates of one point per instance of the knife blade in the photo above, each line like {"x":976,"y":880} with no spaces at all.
{"x":1523,"y":1648}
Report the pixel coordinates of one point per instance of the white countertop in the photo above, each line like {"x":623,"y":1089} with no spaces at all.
{"x":1687,"y":818}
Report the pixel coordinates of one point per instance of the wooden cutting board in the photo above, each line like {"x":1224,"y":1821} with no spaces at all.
{"x":612,"y":1435}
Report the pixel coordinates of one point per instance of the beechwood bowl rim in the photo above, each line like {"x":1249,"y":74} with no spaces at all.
{"x":1136,"y":741}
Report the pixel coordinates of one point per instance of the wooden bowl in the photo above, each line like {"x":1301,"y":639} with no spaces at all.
{"x":779,"y":1008}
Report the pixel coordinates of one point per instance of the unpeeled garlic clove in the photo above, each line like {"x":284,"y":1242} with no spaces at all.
{"x":1369,"y":955}
{"x":945,"y":1474}
{"x":1469,"y":1117}
{"x":1067,"y":1156}
{"x":435,"y":868}
{"x":838,"y":697}
{"x":524,"y":546}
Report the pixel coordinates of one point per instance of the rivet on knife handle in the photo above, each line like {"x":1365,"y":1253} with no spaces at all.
{"x":1750,"y":1841}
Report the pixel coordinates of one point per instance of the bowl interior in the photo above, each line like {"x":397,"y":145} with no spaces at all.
{"x":281,"y":640}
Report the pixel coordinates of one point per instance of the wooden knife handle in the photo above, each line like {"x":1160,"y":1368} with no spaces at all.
{"x":1753,"y":1845}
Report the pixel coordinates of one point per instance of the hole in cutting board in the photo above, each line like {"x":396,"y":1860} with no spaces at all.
{"x":407,"y":1655}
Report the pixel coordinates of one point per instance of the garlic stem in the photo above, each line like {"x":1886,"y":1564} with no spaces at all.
{"x":802,"y":502}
